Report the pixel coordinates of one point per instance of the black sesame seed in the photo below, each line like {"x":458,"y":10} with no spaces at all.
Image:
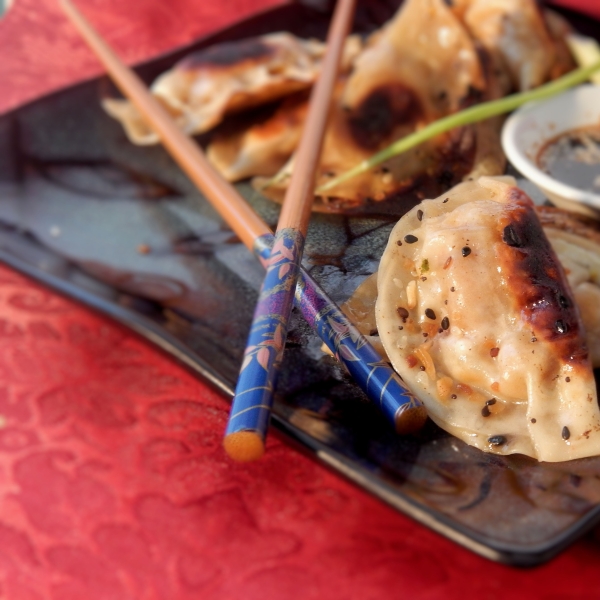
{"x":491,"y":401}
{"x":454,"y":396}
{"x":399,"y":243}
{"x":445,"y":323}
{"x":430,"y":314}
{"x":564,"y":303}
{"x":423,"y":278}
{"x":511,"y":237}
{"x":466,"y":251}
{"x":452,"y":289}
{"x":402,"y":312}
{"x":494,"y":352}
{"x":534,"y":420}
{"x":420,"y":215}
{"x":560,"y":326}
{"x":485,"y":411}
{"x":422,"y":368}
{"x":446,"y":200}
{"x":411,"y":239}
{"x":373,"y":332}
{"x":566,"y":434}
{"x":534,"y":339}
{"x":567,"y":379}
{"x":400,"y":327}
{"x":497,"y":440}
{"x":425,"y":335}
{"x":440,"y":330}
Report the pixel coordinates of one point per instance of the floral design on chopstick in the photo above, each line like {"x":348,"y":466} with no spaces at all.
{"x":264,"y":350}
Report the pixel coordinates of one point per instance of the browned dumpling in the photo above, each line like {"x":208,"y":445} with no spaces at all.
{"x":262,"y":148}
{"x":476,"y":315}
{"x":421,"y":66}
{"x":523,"y":41}
{"x":202,"y":88}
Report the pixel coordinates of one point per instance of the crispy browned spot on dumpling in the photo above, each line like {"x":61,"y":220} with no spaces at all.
{"x":203,"y":87}
{"x":476,"y":314}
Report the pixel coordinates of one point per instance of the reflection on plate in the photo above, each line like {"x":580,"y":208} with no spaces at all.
{"x":120,"y":228}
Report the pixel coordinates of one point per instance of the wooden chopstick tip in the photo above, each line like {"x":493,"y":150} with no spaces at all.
{"x":244,"y":446}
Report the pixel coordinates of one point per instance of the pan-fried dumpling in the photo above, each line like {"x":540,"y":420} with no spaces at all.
{"x":522,"y":40}
{"x":421,"y":66}
{"x":475,"y":313}
{"x":264,"y":147}
{"x":203,"y":87}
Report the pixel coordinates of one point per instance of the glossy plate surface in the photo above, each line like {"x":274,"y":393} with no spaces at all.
{"x":120,"y":228}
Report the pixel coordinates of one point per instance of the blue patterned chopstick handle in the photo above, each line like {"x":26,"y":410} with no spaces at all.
{"x":253,"y":397}
{"x":374,"y":375}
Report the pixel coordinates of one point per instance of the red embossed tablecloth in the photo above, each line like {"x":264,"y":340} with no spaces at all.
{"x":113,"y":484}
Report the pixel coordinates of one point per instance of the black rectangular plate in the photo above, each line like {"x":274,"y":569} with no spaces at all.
{"x":78,"y":202}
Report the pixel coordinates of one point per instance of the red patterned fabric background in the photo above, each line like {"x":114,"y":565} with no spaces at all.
{"x":113,"y":481}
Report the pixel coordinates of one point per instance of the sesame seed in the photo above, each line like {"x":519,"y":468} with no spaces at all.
{"x":491,"y":401}
{"x":494,"y":352}
{"x":560,"y":326}
{"x":420,"y":215}
{"x":411,"y":239}
{"x":448,"y":262}
{"x":454,"y":396}
{"x":511,"y":237}
{"x":567,"y":379}
{"x":566,"y":434}
{"x":452,"y":289}
{"x":425,"y":334}
{"x":534,"y":420}
{"x":534,"y":339}
{"x":430,"y":314}
{"x":402,"y":312}
{"x":563,"y":302}
{"x":445,"y":323}
{"x":497,"y":440}
{"x":485,"y":411}
{"x":399,"y":243}
{"x":446,"y":200}
{"x":466,"y":251}
{"x":421,"y":368}
{"x":400,"y":327}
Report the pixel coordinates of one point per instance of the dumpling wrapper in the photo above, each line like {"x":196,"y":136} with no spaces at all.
{"x":478,"y":299}
{"x":206,"y":85}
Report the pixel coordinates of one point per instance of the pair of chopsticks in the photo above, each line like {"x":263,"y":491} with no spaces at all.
{"x":246,"y":431}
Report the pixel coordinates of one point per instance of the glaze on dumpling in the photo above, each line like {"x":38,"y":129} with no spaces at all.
{"x":475,"y":313}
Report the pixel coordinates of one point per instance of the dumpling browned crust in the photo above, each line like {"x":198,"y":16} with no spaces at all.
{"x":576,"y":241}
{"x":202,"y":88}
{"x":476,"y":314}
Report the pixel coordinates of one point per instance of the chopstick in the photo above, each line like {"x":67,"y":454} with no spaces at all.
{"x":372,"y":373}
{"x":257,"y":381}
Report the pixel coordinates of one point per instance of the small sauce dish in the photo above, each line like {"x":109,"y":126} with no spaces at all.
{"x":529,"y":130}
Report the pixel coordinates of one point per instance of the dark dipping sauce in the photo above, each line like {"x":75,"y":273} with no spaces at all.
{"x":573,"y":157}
